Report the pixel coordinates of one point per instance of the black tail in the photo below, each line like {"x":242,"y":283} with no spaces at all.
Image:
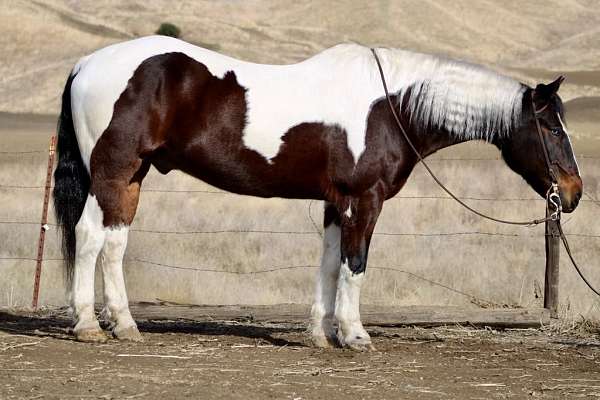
{"x":71,"y":181}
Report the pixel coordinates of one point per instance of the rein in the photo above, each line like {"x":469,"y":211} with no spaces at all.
{"x":552,"y":196}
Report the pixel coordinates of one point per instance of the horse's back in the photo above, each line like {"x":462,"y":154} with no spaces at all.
{"x":330,"y":88}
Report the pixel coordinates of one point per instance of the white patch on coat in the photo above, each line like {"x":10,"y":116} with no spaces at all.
{"x":115,"y":293}
{"x":322,"y":89}
{"x":323,"y":308}
{"x":348,"y":212}
{"x":90,"y":236}
{"x":337,"y":86}
{"x":347,"y":307}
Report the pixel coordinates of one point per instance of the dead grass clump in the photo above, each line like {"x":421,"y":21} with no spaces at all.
{"x":569,"y":323}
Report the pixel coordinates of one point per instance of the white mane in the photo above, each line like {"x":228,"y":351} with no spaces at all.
{"x":470,"y":101}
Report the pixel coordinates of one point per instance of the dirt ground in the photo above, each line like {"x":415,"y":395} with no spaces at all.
{"x":231,"y":358}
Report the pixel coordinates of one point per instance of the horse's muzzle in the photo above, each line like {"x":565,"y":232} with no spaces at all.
{"x":571,"y":190}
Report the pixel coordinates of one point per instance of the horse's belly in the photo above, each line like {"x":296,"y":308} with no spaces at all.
{"x":245,"y":171}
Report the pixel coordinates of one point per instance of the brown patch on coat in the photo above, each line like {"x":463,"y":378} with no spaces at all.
{"x":174,"y":114}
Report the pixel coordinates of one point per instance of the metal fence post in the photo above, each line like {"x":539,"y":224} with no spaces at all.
{"x":43,"y":226}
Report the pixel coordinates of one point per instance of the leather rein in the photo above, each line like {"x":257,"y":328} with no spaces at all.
{"x":554,"y":205}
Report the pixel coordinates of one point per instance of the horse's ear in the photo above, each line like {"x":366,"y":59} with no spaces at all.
{"x":545,"y":91}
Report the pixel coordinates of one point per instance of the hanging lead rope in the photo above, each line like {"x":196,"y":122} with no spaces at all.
{"x":568,"y":250}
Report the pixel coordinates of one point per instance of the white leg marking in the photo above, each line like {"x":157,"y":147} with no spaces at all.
{"x":349,"y":212}
{"x":323,"y":330}
{"x":347,"y":310}
{"x":90,"y":238}
{"x":115,"y":294}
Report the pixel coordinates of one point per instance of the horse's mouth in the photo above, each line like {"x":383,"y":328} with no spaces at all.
{"x":570,"y":203}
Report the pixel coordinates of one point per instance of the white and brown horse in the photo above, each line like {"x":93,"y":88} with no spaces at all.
{"x":319,"y":129}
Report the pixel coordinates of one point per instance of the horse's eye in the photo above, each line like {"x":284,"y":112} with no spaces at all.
{"x":556,"y":131}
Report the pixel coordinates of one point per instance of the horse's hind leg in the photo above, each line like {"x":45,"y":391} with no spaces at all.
{"x":115,"y":294}
{"x":118,"y":198}
{"x":90,"y":237}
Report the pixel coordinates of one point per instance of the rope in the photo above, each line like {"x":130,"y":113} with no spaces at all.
{"x":568,"y":250}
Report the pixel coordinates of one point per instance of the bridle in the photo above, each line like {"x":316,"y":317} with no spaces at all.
{"x":553,"y":194}
{"x":553,"y":202}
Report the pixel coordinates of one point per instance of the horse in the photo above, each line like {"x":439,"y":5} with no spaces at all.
{"x":318,"y":129}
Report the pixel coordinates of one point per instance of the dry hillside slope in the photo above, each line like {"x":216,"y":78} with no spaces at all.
{"x":42,"y":39}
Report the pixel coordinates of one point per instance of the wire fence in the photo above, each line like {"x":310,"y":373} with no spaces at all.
{"x":315,"y":232}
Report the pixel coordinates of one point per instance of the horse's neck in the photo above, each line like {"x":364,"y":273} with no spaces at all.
{"x":430,"y":140}
{"x":436,"y":139}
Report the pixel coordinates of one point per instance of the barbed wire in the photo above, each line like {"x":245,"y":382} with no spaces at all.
{"x":2,"y":258}
{"x":396,"y":269}
{"x":207,"y":269}
{"x":267,"y":271}
{"x":317,"y":229}
{"x":397,"y":197}
{"x":312,"y":233}
{"x":221,"y":231}
{"x":21,"y":187}
{"x":17,"y":152}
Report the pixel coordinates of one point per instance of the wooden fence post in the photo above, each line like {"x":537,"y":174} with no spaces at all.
{"x":44,"y":226}
{"x":552,"y":264}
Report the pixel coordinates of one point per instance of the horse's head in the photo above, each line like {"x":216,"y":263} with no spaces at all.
{"x":524,"y":153}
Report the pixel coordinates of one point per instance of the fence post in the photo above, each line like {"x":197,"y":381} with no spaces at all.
{"x":552,"y":264}
{"x":43,"y":226}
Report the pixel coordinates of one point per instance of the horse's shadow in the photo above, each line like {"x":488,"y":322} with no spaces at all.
{"x":60,"y":327}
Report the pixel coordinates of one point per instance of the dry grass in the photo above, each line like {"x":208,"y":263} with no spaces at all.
{"x":575,"y":324}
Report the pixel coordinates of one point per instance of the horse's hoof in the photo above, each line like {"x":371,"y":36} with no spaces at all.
{"x":91,"y":336}
{"x":131,"y":333}
{"x":360,"y":342}
{"x":361,"y":347}
{"x":325,"y":342}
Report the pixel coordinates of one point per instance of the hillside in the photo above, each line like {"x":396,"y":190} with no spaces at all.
{"x":530,"y":40}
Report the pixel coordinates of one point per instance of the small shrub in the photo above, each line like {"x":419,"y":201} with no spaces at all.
{"x":168,"y":29}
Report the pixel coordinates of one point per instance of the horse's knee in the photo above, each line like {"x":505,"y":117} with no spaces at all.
{"x":115,"y":244}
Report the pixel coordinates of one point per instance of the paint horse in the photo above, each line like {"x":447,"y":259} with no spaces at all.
{"x":319,"y":129}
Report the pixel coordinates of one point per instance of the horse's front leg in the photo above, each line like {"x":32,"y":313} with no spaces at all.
{"x":358,"y":223}
{"x":322,"y":313}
